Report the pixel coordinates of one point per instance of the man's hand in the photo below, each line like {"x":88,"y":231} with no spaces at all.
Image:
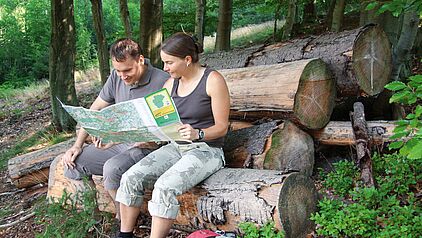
{"x":70,"y":156}
{"x":98,"y":143}
{"x":146,"y":145}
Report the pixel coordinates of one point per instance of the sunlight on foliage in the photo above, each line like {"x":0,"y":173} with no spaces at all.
{"x":252,"y":230}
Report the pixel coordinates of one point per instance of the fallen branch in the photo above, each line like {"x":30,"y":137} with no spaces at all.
{"x":24,"y":218}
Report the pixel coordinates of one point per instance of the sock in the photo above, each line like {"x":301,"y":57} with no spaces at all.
{"x":126,"y":234}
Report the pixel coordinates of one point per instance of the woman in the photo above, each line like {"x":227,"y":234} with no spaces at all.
{"x":202,"y":99}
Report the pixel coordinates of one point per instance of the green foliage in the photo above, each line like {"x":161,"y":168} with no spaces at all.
{"x":396,"y":7}
{"x":408,"y":130}
{"x":342,"y":179}
{"x":70,"y":216}
{"x":390,"y":210}
{"x":251,"y":230}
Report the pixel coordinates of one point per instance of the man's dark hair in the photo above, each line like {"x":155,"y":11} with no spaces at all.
{"x":123,"y":48}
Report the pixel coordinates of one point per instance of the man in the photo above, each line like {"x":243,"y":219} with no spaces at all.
{"x":132,"y":77}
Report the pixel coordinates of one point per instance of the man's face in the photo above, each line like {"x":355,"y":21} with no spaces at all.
{"x":130,"y":70}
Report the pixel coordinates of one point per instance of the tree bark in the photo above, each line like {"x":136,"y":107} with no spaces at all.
{"x":329,"y":16}
{"x":102,"y":52}
{"x":338,"y":15}
{"x":363,"y":146}
{"x":290,"y":20}
{"x":227,"y":198}
{"x":62,"y":63}
{"x":125,"y":16}
{"x":360,"y":59}
{"x":404,"y":45}
{"x":309,"y":12}
{"x":152,"y":29}
{"x":200,"y":20}
{"x":222,"y":40}
{"x":307,"y":97}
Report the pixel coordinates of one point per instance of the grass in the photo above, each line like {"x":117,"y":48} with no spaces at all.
{"x":46,"y":137}
{"x":246,"y":36}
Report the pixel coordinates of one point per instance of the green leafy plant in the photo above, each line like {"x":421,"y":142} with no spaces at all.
{"x":252,"y":230}
{"x":390,"y":210}
{"x":408,"y":130}
{"x":71,"y":216}
{"x":342,"y":178}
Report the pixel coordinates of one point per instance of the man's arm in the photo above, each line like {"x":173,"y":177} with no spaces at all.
{"x":71,"y":154}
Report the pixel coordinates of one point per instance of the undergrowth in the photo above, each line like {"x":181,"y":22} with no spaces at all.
{"x":72,"y":216}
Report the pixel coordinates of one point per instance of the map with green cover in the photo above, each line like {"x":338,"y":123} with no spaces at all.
{"x":152,"y":118}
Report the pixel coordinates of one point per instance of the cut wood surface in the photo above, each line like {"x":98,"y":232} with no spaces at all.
{"x":302,"y":91}
{"x":32,"y":168}
{"x":225,"y":199}
{"x":360,"y":59}
{"x":341,"y":133}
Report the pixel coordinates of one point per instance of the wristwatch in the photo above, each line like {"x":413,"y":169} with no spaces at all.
{"x":201,"y":134}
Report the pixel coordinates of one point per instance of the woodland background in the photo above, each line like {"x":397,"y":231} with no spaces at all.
{"x":47,"y":45}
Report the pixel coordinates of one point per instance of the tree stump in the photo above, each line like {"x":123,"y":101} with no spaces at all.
{"x":360,"y":59}
{"x":301,"y":91}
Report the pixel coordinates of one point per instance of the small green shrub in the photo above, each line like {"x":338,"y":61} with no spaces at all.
{"x":342,"y":178}
{"x":71,"y":216}
{"x":252,"y":230}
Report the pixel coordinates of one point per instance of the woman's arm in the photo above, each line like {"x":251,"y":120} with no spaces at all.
{"x":220,"y":103}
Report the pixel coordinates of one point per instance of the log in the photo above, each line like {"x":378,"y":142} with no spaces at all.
{"x":283,"y":147}
{"x":32,"y":168}
{"x":301,"y":91}
{"x":341,"y":133}
{"x":360,"y":59}
{"x":291,"y":150}
{"x":227,"y":198}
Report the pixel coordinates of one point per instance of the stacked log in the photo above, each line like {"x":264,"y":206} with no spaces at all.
{"x":360,"y":59}
{"x":302,"y":91}
{"x":225,"y":199}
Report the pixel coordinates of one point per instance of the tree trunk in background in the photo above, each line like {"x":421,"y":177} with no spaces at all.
{"x":62,"y":63}
{"x":124,"y":15}
{"x":401,"y":51}
{"x":338,"y":15}
{"x":222,"y":41}
{"x":368,"y":16}
{"x":329,"y":16}
{"x":152,"y":29}
{"x":309,"y":12}
{"x":102,"y":53}
{"x":290,"y":20}
{"x":200,"y":20}
{"x":276,"y":18}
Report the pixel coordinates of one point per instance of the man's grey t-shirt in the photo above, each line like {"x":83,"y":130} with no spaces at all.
{"x":115,"y":90}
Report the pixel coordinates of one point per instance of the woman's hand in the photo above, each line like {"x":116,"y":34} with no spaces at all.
{"x":187,"y":132}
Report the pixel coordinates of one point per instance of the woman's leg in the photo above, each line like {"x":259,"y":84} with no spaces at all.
{"x":198,"y":162}
{"x":142,"y":176}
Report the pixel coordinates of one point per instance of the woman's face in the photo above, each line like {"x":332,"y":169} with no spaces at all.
{"x":173,"y":65}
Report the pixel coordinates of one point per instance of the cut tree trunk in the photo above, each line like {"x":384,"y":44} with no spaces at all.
{"x":341,"y":133}
{"x":360,"y":59}
{"x":301,"y":91}
{"x":32,"y":168}
{"x":225,"y":199}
